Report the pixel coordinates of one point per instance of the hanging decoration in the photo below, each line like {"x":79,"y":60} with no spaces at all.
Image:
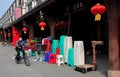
{"x":42,"y":24}
{"x":24,"y":30}
{"x":98,"y":10}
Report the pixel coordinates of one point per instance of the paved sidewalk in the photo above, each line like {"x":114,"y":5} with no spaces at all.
{"x":9,"y":68}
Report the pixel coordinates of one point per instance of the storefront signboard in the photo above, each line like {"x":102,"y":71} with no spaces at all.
{"x":17,"y":12}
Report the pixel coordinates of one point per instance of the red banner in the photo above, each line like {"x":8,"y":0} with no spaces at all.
{"x":16,"y":36}
{"x":17,"y":12}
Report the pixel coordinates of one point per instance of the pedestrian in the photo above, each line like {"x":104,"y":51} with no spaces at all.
{"x":34,"y":50}
{"x":28,"y":49}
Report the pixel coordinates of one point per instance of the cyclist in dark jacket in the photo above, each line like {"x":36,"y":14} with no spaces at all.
{"x":20,"y":47}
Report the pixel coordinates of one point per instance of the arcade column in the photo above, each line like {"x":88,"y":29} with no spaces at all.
{"x":31,"y":32}
{"x":15,"y":35}
{"x":114,"y":47}
{"x":51,"y":22}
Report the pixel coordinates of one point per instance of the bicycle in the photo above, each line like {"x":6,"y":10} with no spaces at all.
{"x":21,"y":57}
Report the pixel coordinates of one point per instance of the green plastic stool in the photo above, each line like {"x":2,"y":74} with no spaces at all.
{"x":71,"y":57}
{"x":55,"y":44}
{"x":62,"y":40}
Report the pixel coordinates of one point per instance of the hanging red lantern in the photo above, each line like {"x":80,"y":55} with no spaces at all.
{"x":42,"y":25}
{"x":24,"y":30}
{"x":97,"y":10}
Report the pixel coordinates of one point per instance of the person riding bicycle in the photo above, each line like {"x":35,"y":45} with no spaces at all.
{"x":20,"y":46}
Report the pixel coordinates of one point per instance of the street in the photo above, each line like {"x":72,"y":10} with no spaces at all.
{"x":8,"y":68}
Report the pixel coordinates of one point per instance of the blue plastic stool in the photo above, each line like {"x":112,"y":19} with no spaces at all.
{"x":47,"y":55}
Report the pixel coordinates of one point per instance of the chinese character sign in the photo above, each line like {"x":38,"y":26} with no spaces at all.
{"x":17,"y":12}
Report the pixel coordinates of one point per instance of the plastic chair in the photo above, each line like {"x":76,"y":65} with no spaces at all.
{"x":57,"y":50}
{"x":60,"y":60}
{"x":52,"y":58}
{"x":47,"y":56}
{"x":71,"y":57}
{"x":55,"y":44}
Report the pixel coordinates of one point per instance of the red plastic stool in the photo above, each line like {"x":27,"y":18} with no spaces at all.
{"x":52,"y":58}
{"x":57,"y":50}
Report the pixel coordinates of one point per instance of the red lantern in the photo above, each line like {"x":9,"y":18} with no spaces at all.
{"x":42,"y":25}
{"x":24,"y":30}
{"x":97,"y":10}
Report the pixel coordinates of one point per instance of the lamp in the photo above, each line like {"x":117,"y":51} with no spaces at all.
{"x":24,"y":30}
{"x":42,"y":24}
{"x":97,"y":10}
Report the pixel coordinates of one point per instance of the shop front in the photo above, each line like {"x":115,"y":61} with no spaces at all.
{"x":81,"y":25}
{"x":74,"y":19}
